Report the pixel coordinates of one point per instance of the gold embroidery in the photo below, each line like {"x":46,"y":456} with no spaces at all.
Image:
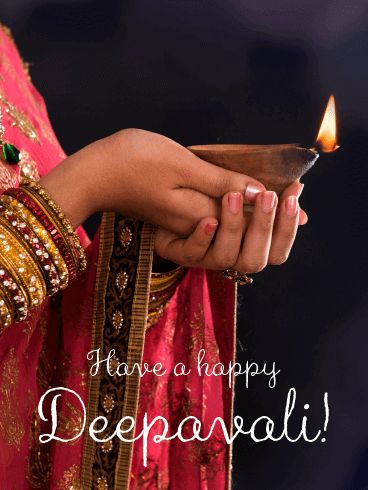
{"x":112,"y":470}
{"x":22,"y":85}
{"x":19,"y":119}
{"x":107,"y":447}
{"x":28,"y":167}
{"x":11,"y":427}
{"x":45,"y":370}
{"x":117,"y":320}
{"x":101,"y":483}
{"x":108,"y":403}
{"x":39,"y":467}
{"x":70,"y":480}
{"x":125,"y":237}
{"x":121,"y":280}
{"x":70,"y":422}
{"x":114,"y":363}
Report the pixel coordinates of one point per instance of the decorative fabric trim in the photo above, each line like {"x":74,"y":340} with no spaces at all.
{"x":135,"y":349}
{"x":120,"y":313}
{"x":106,"y":244}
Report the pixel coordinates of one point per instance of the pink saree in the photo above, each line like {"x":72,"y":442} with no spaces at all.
{"x":106,"y":309}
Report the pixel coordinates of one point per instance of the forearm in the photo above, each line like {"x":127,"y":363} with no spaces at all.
{"x":76,"y":184}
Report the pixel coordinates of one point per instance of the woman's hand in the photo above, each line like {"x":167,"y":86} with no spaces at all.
{"x":243,"y":241}
{"x":146,"y":176}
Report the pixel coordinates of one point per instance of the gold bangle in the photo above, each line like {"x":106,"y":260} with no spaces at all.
{"x":56,"y":224}
{"x":162,"y":288}
{"x":164,"y":280}
{"x":58,"y":217}
{"x":35,"y":247}
{"x":22,"y":266}
{"x":42,"y":234}
{"x":6,"y":309}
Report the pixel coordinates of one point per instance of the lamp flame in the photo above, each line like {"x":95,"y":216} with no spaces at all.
{"x":326,"y":138}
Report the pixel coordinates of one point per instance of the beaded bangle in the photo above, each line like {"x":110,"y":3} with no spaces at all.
{"x":29,"y":203}
{"x":70,"y":250}
{"x":56,"y":212}
{"x":6,"y":267}
{"x":17,"y":297}
{"x":39,"y":251}
{"x":36,"y":247}
{"x":5,"y":311}
{"x":23,"y":213}
{"x":22,"y":267}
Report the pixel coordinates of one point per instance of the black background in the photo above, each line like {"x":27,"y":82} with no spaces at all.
{"x":224,"y":71}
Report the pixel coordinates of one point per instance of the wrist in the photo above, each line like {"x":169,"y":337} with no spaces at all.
{"x":72,"y":189}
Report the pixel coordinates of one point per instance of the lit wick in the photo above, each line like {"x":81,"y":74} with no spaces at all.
{"x":326,"y":139}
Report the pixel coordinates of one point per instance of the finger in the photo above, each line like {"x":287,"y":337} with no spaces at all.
{"x":191,"y":206}
{"x":284,"y":231}
{"x":215,"y":181}
{"x":303,"y":217}
{"x":225,"y":250}
{"x":257,"y":241}
{"x":295,"y":189}
{"x":186,"y":251}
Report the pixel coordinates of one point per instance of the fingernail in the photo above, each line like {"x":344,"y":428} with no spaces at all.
{"x":269,"y":200}
{"x":210,"y":228}
{"x":252,"y":190}
{"x":234,"y":202}
{"x":300,"y":189}
{"x":291,"y":206}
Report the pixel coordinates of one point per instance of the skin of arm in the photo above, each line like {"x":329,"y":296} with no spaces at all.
{"x":197,"y":206}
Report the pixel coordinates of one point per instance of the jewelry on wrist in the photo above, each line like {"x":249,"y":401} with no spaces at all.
{"x":22,"y":267}
{"x":42,"y":234}
{"x":39,"y":251}
{"x":56,"y":214}
{"x":35,"y":246}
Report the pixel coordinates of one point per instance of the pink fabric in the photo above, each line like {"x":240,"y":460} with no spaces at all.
{"x":42,"y":352}
{"x":22,"y":343}
{"x":200,"y":316}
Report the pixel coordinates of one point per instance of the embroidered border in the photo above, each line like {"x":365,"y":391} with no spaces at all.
{"x":119,"y":323}
{"x":106,"y":244}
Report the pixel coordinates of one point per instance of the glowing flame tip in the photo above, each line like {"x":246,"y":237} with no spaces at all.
{"x":327,"y":138}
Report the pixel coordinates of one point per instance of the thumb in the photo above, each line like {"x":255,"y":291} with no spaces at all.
{"x":215,"y":181}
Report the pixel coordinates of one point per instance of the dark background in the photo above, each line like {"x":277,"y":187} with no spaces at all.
{"x":224,"y":71}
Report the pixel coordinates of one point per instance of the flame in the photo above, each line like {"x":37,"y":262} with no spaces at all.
{"x":326,"y":138}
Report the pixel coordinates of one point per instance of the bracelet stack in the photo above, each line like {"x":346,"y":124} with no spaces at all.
{"x":39,"y":251}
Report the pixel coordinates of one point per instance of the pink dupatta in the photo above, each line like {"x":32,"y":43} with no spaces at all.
{"x":50,"y":348}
